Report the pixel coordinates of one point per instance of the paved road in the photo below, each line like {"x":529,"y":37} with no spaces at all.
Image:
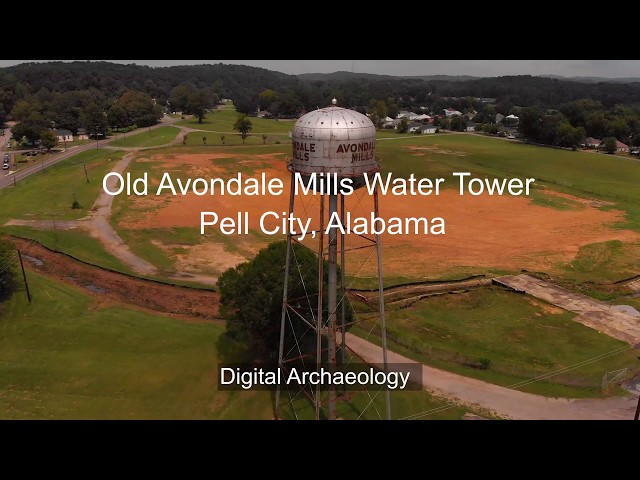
{"x":505,"y":402}
{"x":6,"y":180}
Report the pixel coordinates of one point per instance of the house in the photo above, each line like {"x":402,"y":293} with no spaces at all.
{"x":420,"y":118}
{"x":263,"y":114}
{"x":414,"y":127}
{"x":512,"y":120}
{"x":499,"y":117}
{"x":82,"y":134}
{"x":471,"y":115}
{"x":621,"y":147}
{"x":427,"y":129}
{"x":404,"y":113}
{"x":64,"y":135}
{"x":471,"y":127}
{"x":591,"y":142}
{"x":450,"y":112}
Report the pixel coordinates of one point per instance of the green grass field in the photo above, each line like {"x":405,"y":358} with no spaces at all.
{"x":222,"y":121}
{"x":42,"y":195}
{"x":151,"y":138}
{"x":211,"y":139}
{"x":70,"y":356}
{"x":520,"y":336}
{"x":67,"y":356}
{"x":76,"y":243}
{"x":584,"y":174}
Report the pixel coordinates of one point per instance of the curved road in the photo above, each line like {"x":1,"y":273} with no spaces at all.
{"x":503,"y":401}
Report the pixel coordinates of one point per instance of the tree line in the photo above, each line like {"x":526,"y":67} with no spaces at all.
{"x":55,"y":93}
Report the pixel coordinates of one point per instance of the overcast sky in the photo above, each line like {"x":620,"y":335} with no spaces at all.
{"x":568,"y":68}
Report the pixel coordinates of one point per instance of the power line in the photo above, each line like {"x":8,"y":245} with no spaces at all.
{"x":517,"y":385}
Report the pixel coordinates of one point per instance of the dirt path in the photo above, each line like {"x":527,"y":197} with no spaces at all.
{"x":98,"y":226}
{"x":108,"y":285}
{"x":505,"y":402}
{"x":179,"y":137}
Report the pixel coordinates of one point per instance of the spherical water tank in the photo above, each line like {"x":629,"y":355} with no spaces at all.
{"x":334,"y":140}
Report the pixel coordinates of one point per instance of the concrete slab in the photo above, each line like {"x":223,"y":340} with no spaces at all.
{"x":591,"y":312}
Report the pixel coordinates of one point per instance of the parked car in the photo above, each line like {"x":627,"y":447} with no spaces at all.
{"x":5,"y":166}
{"x":6,"y":158}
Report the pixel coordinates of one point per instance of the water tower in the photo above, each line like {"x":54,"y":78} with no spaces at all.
{"x":331,"y":144}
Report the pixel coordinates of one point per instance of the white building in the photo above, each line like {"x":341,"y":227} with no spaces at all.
{"x":64,"y":135}
{"x":512,"y":120}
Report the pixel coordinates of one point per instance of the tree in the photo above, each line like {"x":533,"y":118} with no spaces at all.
{"x":7,"y":272}
{"x":118,"y":117}
{"x":266,"y":98}
{"x":48,"y":139}
{"x":377,"y":112}
{"x":403,"y":126}
{"x":94,"y":119}
{"x":458,"y":123}
{"x":141,"y":108}
{"x":595,"y":124}
{"x":618,"y":128}
{"x":251,"y":298}
{"x":66,"y":109}
{"x":568,"y":136}
{"x":30,"y":128}
{"x":490,"y":128}
{"x":198,"y":103}
{"x":179,"y":99}
{"x":243,"y":125}
{"x":530,"y":125}
{"x":610,"y":145}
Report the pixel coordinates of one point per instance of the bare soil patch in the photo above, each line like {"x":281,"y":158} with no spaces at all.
{"x":481,"y":231}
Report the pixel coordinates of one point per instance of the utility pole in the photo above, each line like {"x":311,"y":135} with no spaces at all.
{"x":638,"y":407}
{"x":85,"y":172}
{"x":26,"y":284}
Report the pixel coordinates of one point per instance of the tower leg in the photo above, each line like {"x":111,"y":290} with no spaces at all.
{"x":320,"y":301}
{"x":383,"y":324}
{"x":343,"y":301}
{"x":283,"y":317}
{"x":332,"y":285}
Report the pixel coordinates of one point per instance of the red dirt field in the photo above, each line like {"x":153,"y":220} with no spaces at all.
{"x":481,"y":231}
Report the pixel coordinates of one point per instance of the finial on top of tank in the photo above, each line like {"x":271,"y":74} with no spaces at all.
{"x":334,"y":101}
